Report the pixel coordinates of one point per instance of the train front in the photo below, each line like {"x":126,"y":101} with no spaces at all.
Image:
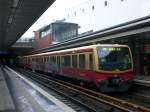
{"x":115,"y":68}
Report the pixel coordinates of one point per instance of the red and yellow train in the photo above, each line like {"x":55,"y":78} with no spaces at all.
{"x":108,"y":66}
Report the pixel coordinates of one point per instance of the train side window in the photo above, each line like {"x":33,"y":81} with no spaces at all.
{"x":28,"y":60}
{"x":66,"y":61}
{"x":53,"y":59}
{"x":32,"y":59}
{"x":91,"y":61}
{"x":58,"y":60}
{"x":74,"y":61}
{"x":45,"y":60}
{"x":62,"y":60}
{"x":49,"y":59}
{"x":37,"y":59}
{"x":40,"y":60}
{"x":81,"y":61}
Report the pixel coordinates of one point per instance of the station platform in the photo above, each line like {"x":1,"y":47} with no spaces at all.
{"x":6,"y":101}
{"x":27,"y":96}
{"x":145,"y":79}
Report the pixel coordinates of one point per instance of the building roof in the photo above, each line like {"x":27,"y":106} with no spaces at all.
{"x":56,"y":23}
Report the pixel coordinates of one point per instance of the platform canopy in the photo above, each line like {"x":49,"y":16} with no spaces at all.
{"x":16,"y":16}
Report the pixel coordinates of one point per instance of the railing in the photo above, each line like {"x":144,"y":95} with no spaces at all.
{"x":25,"y":42}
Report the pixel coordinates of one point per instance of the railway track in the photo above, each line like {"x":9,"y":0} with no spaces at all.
{"x":91,"y":100}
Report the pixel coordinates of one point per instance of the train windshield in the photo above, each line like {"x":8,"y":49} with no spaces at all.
{"x":114,"y":58}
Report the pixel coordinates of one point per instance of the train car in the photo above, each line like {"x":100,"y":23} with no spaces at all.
{"x":108,"y":66}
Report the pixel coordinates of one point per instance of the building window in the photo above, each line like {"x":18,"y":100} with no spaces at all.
{"x":105,"y":3}
{"x":122,"y":0}
{"x":82,"y":10}
{"x":93,"y":7}
{"x":45,"y":33}
{"x":75,"y":13}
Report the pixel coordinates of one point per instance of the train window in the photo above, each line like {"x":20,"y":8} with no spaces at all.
{"x":33,"y":59}
{"x":37,"y":59}
{"x":28,"y":60}
{"x":44,"y":59}
{"x":74,"y":61}
{"x":49,"y":59}
{"x":58,"y":60}
{"x":53,"y":59}
{"x":82,"y":61}
{"x":105,"y":3}
{"x":40,"y":60}
{"x":114,"y":58}
{"x":66,"y":60}
{"x":91,"y":61}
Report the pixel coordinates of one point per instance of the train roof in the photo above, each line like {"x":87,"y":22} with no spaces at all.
{"x":78,"y":48}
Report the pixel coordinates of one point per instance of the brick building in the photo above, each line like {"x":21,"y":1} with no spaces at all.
{"x":54,"y":33}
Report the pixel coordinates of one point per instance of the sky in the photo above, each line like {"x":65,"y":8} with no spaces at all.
{"x":55,"y":12}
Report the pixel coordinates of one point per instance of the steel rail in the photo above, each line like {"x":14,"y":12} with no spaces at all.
{"x":123,"y":105}
{"x":114,"y":102}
